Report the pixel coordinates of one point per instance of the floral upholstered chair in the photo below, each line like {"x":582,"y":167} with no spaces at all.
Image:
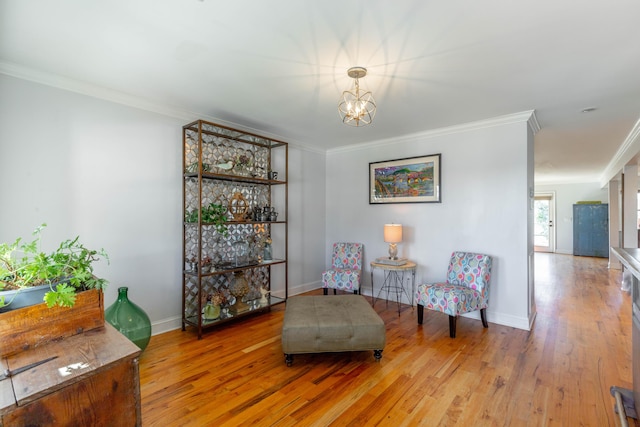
{"x":346,"y":268}
{"x":466,"y":289}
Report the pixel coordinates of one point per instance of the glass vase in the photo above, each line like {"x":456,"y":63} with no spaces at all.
{"x":210,"y":311}
{"x":267,"y":252}
{"x":129,"y":319}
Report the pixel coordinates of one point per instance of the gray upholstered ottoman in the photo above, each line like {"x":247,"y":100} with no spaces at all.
{"x":332,"y":323}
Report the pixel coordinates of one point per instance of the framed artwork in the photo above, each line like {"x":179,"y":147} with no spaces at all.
{"x":410,"y":180}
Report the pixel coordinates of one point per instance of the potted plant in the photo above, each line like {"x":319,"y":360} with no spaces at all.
{"x":59,"y":274}
{"x":214,"y":214}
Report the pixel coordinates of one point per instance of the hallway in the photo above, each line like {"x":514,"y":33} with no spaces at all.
{"x":583,"y":328}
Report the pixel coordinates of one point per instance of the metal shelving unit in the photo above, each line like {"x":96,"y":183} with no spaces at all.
{"x":230,"y":168}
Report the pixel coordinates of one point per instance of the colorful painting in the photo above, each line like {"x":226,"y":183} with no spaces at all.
{"x":411,"y":180}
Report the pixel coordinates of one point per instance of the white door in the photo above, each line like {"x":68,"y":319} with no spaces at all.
{"x":544,"y":236}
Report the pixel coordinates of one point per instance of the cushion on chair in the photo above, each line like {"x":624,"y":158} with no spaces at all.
{"x":346,"y":280}
{"x":466,"y":288}
{"x":346,"y":267}
{"x":449,"y":299}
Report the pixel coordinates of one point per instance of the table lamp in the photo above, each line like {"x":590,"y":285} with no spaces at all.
{"x":392,"y":236}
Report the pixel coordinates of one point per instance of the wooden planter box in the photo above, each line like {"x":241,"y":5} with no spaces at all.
{"x":29,"y":327}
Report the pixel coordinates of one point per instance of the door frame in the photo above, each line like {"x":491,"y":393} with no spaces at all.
{"x":551,"y":196}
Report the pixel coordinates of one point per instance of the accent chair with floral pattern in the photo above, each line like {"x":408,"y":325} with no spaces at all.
{"x":466,"y":289}
{"x":346,"y":268}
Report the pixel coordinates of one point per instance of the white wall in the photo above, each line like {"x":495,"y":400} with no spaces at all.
{"x":485,"y":192}
{"x":566,"y":196}
{"x":306,"y":219}
{"x":112,"y":175}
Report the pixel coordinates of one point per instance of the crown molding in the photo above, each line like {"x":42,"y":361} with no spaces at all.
{"x":92,"y":90}
{"x":525,"y":116}
{"x":100,"y":92}
{"x":106,"y":94}
{"x":628,"y":150}
{"x":533,"y":122}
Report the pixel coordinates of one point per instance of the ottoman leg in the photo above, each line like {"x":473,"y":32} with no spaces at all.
{"x":377,"y":354}
{"x":288,"y":358}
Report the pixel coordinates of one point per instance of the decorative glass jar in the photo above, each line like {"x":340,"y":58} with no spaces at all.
{"x":129,"y":319}
{"x":267,"y":254}
{"x":210,"y":311}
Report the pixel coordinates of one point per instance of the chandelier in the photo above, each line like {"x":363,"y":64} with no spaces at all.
{"x":357,"y":108}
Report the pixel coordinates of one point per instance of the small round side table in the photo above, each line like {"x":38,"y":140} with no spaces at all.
{"x":394,"y":281}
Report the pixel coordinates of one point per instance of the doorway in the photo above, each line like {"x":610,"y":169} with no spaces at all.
{"x":544,"y":236}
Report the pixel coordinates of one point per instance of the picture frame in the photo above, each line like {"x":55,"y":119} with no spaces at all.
{"x":408,"y":180}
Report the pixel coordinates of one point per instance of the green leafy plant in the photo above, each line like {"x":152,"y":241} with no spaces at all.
{"x":213,"y":214}
{"x":66,"y":270}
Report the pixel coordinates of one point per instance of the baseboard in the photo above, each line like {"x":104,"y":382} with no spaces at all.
{"x":564,"y":252}
{"x":509,"y":320}
{"x":173,"y":323}
{"x":166,"y":325}
{"x":503,"y":320}
{"x":304,"y":287}
{"x":532,"y":318}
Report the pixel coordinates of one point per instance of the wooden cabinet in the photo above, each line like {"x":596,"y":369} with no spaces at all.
{"x":591,"y":230}
{"x":92,"y":380}
{"x":242,"y":176}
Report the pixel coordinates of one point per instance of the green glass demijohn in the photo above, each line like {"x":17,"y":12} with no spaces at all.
{"x":129,"y":319}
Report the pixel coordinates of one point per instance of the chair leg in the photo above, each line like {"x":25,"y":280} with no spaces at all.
{"x":420,"y":314}
{"x":452,"y":326}
{"x":483,"y":316}
{"x":334,"y":292}
{"x":324,"y":291}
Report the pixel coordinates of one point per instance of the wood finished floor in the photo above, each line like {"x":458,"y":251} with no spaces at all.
{"x":559,"y":374}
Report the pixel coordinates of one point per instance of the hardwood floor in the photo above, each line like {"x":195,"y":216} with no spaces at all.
{"x":557,"y":374}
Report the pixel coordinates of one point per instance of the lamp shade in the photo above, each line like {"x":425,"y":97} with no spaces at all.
{"x":393,"y":233}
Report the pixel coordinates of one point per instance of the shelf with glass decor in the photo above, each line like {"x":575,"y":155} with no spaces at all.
{"x":235,"y":228}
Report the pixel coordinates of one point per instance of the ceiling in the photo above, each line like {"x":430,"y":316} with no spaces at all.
{"x":280,"y":66}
